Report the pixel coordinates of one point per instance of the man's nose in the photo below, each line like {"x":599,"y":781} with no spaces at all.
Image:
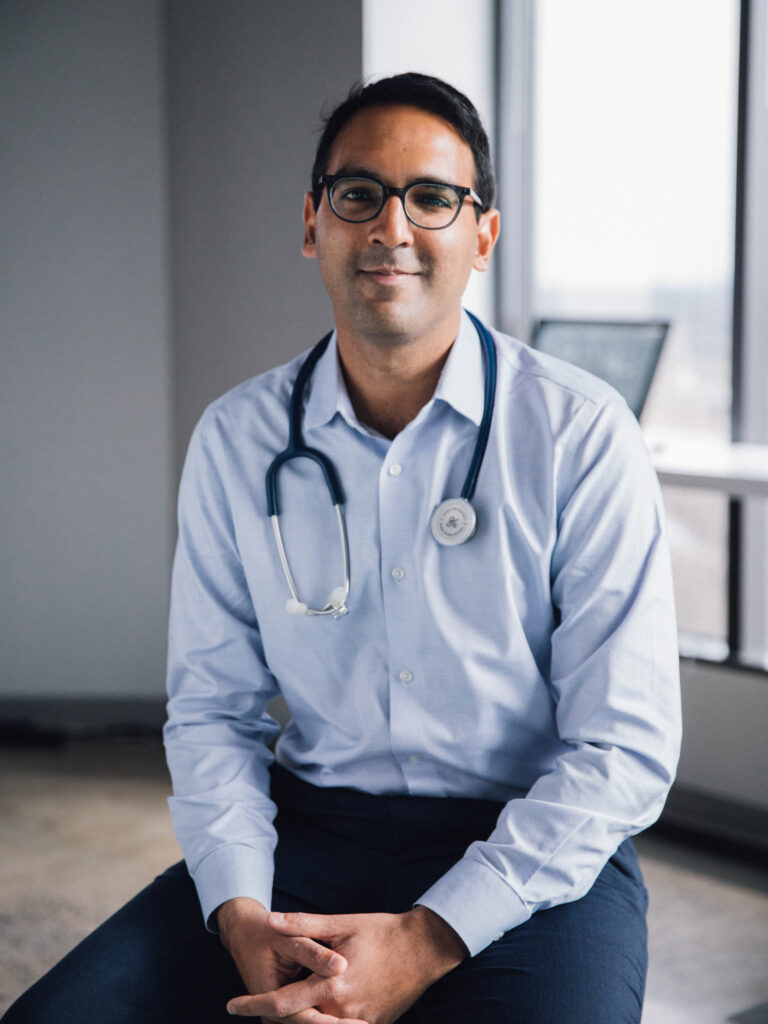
{"x":392,"y":228}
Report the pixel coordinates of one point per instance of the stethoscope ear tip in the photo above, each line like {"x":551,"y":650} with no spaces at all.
{"x":295,"y":607}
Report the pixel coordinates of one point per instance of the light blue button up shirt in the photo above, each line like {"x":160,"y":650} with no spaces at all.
{"x":535,"y":664}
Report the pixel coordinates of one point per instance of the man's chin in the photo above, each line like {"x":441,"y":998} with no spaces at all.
{"x":388,"y":330}
{"x":389,"y":322}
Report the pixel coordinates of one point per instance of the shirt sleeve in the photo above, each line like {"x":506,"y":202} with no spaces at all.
{"x":614,"y":681}
{"x":218,"y":731}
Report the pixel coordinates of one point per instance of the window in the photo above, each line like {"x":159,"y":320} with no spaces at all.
{"x":634,"y":127}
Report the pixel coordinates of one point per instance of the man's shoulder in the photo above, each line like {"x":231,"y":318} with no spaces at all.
{"x":262,"y":399}
{"x":539,"y":371}
{"x":560,"y":408}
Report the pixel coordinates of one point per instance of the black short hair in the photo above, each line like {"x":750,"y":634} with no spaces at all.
{"x":426,"y":93}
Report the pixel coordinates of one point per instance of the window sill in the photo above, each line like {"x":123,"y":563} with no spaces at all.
{"x":690,"y":460}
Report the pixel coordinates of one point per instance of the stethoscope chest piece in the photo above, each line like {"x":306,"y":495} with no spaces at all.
{"x":453,"y":521}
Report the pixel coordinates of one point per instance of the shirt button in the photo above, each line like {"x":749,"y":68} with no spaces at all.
{"x":499,"y":936}
{"x":398,"y":573}
{"x":414,"y":758}
{"x":406,"y":676}
{"x":395,"y":469}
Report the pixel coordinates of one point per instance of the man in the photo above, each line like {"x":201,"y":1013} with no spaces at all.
{"x":476,"y":728}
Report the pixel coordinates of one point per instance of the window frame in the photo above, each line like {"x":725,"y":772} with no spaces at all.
{"x":747,"y":546}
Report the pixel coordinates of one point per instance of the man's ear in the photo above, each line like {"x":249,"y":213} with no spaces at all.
{"x":309,"y":248}
{"x":487,"y":235}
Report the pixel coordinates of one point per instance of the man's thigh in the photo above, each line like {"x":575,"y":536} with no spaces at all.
{"x":153,"y":962}
{"x":578,"y":963}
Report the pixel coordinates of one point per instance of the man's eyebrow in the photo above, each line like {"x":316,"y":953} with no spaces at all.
{"x":355,"y":172}
{"x":366,"y":172}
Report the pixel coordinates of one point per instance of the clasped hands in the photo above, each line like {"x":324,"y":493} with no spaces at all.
{"x":365,"y":968}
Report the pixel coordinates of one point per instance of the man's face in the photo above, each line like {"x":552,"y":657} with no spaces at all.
{"x":390,"y":281}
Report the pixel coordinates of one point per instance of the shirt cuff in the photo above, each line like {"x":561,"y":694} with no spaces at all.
{"x":476,"y":903}
{"x":230,"y":871}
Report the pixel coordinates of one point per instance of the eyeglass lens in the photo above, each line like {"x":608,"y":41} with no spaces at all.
{"x":427,"y":205}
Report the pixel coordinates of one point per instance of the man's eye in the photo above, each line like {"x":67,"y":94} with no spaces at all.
{"x":355,"y":192}
{"x":433,"y":198}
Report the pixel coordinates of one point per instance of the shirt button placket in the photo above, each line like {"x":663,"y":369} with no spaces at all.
{"x":395,"y":547}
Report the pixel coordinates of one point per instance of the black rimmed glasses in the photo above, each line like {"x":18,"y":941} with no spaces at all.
{"x":427,"y":204}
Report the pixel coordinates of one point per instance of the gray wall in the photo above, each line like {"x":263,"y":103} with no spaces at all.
{"x":153,"y":162}
{"x":85,"y":530}
{"x":247,"y":82}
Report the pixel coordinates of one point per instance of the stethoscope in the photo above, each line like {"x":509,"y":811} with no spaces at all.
{"x":453,"y":521}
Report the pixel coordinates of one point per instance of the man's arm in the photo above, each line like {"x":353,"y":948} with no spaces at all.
{"x":218,"y":732}
{"x":217,"y":739}
{"x":614,"y":680}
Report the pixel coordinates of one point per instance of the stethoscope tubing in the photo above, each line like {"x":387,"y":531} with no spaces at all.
{"x":489,"y":351}
{"x":296,"y":449}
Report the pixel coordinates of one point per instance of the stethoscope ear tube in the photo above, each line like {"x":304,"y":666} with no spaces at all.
{"x":329,"y":472}
{"x":336,"y":604}
{"x":296,"y":448}
{"x":489,"y":350}
{"x":454,"y":521}
{"x":295,"y":437}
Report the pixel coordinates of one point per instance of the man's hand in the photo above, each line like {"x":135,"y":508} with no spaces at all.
{"x":391,"y":960}
{"x":268,"y":959}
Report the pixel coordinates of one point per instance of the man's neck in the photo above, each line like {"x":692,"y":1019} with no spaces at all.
{"x":388,"y":385}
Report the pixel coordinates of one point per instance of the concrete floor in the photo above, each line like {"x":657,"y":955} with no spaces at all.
{"x":84,"y":826}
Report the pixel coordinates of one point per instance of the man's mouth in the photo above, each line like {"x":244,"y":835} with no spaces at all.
{"x":388,"y":275}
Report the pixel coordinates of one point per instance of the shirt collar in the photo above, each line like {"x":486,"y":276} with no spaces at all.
{"x":327,"y":391}
{"x":461,"y":384}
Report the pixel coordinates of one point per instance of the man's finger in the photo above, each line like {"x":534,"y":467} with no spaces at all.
{"x":282,"y":1002}
{"x":312,"y":1016}
{"x":317,"y":926}
{"x":319,"y":959}
{"x":277,"y":1009}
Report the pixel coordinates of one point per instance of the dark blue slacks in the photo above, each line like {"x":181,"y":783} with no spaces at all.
{"x":341,"y":851}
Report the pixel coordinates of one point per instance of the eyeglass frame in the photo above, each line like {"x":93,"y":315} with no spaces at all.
{"x":387,"y":191}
